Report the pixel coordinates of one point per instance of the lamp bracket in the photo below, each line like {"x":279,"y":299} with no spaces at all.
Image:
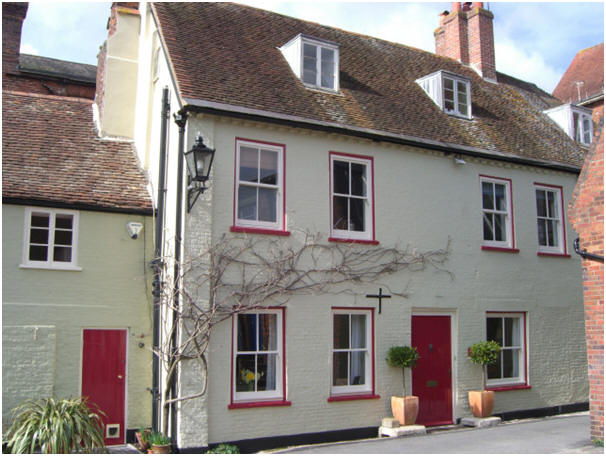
{"x":194,"y":190}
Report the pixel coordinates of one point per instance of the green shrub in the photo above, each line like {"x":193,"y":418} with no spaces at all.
{"x":157,"y":438}
{"x":402,"y":357}
{"x":484,"y":353}
{"x":224,"y":448}
{"x":55,"y":426}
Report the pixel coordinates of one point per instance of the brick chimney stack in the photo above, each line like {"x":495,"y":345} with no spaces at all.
{"x":13,"y":15}
{"x":466,"y":34}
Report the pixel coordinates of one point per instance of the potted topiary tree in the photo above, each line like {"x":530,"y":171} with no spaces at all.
{"x":405,"y":408}
{"x":483,"y":354}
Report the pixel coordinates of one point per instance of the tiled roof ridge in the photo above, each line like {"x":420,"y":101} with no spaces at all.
{"x":590,"y":47}
{"x":49,"y":96}
{"x":43,"y":57}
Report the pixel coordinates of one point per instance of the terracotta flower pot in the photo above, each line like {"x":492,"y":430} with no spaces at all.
{"x":405,"y":409}
{"x":144,"y":446}
{"x":481,"y":403}
{"x":160,"y":449}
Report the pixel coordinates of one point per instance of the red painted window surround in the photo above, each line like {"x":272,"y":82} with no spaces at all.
{"x":500,"y":249}
{"x":352,"y":397}
{"x":243,"y":405}
{"x":562,"y":255}
{"x":243,"y":229}
{"x":353,"y":241}
{"x":508,"y":387}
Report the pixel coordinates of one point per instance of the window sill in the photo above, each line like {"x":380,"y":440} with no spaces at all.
{"x":50,"y":268}
{"x":547,"y":254}
{"x":246,"y":229}
{"x":244,"y":405}
{"x":500,"y":249}
{"x":507,"y":387}
{"x":352,"y":397}
{"x":353,"y":241}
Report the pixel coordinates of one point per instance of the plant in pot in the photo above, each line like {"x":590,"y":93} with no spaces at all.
{"x":143,"y":436}
{"x":159,"y":443}
{"x":405,"y":408}
{"x":483,"y":354}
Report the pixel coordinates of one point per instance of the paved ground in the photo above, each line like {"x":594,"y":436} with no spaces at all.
{"x":557,"y":434}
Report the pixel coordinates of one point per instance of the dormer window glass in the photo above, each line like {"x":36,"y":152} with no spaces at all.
{"x":314,"y":61}
{"x":451,"y":92}
{"x":581,"y":124}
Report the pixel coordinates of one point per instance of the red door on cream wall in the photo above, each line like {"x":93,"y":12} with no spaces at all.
{"x":104,"y":378}
{"x":432,"y":378}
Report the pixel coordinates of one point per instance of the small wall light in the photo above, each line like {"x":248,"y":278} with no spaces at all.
{"x":199,"y":162}
{"x":134,"y":228}
{"x":459,"y":161}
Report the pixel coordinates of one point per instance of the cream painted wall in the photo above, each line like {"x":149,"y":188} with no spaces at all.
{"x":422,"y":200}
{"x":111,"y":291}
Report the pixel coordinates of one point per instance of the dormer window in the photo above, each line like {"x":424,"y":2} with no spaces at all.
{"x":574,"y":120}
{"x":451,"y":92}
{"x":314,"y":61}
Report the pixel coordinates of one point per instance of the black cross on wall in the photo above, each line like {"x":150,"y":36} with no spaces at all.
{"x":379,"y":296}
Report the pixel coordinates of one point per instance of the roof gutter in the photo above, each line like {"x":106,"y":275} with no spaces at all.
{"x":223,"y":109}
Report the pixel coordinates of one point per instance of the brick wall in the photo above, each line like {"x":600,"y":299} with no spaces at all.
{"x":586,"y":214}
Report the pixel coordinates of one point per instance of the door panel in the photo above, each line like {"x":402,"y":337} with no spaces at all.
{"x":104,"y":378}
{"x":432,"y":378}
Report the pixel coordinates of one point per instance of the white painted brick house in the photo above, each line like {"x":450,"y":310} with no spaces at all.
{"x":372,"y":144}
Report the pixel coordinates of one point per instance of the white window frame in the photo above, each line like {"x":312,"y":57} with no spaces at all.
{"x":579,"y":132}
{"x":558,"y":220}
{"x":507,"y":243}
{"x":368,"y":233}
{"x":367,"y":387}
{"x":253,"y":396}
{"x":50,"y":263}
{"x":521,"y":378}
{"x":319,"y":45}
{"x":456,"y":81}
{"x":278,"y":225}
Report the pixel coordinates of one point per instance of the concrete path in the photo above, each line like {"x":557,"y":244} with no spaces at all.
{"x":557,"y":434}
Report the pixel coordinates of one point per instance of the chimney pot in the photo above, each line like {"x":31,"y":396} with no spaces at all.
{"x":466,"y":6}
{"x":456,"y":6}
{"x":478,"y":5}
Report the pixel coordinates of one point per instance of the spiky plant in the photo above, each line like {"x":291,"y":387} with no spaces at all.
{"x":55,"y":426}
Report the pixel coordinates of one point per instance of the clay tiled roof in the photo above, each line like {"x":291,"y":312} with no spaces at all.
{"x":58,"y":68}
{"x":227,"y":54}
{"x":584,"y":76}
{"x":51,"y":155}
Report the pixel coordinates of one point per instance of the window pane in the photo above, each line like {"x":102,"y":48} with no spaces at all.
{"x":357,"y":221}
{"x":40,"y":220}
{"x":268,"y":332}
{"x":249,"y":163}
{"x":339,"y":368}
{"x":266,"y":372}
{"x":494,"y":330}
{"x":63,"y":237}
{"x":488,"y":227}
{"x":542,"y":229}
{"x":462,"y":107}
{"x":357,"y":368}
{"x":576,"y":126}
{"x":358,"y":179}
{"x":511,"y":363}
{"x":448,"y":103}
{"x":268,"y":200}
{"x":586,"y":130}
{"x":487,"y":195}
{"x":38,"y":253}
{"x":247,"y":203}
{"x":339,"y":213}
{"x":494,"y":370}
{"x":309,"y":64}
{"x":448,"y":84}
{"x":499,"y":228}
{"x":462,"y":89}
{"x":341,"y":331}
{"x":38,"y":236}
{"x":512,"y":332}
{"x":309,"y":50}
{"x":328,"y":66}
{"x":541,"y":203}
{"x":358,"y":331}
{"x":64,"y":221}
{"x":63,"y":254}
{"x":269,"y":167}
{"x":551,"y":234}
{"x":247,"y":332}
{"x":499,"y":196}
{"x":245,"y":373}
{"x":341,"y":177}
{"x":551,"y":205}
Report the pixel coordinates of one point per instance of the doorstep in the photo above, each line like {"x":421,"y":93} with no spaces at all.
{"x":472,"y":421}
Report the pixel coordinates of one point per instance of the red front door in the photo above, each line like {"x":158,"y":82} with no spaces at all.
{"x":104,"y":378}
{"x":432,"y":378}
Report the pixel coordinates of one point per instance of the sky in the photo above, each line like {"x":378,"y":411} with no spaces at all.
{"x":533,"y":41}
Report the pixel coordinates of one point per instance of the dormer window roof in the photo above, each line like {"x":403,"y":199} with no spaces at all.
{"x":314,"y":61}
{"x":574,"y":120}
{"x":450,"y":91}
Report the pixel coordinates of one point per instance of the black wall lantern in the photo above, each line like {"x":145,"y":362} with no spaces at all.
{"x":199,"y":161}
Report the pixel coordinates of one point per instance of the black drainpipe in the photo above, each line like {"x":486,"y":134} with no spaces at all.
{"x":157,"y":262}
{"x":181,"y":121}
{"x":585,"y":254}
